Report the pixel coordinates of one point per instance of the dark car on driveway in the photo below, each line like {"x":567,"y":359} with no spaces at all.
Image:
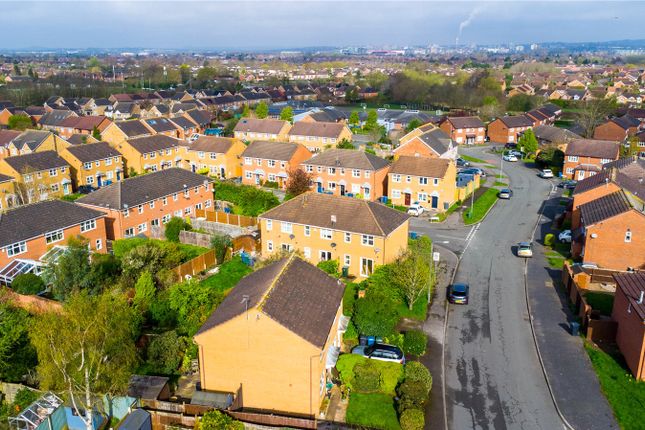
{"x":462,"y":163}
{"x":380,"y":351}
{"x":458,"y":294}
{"x":568,"y":184}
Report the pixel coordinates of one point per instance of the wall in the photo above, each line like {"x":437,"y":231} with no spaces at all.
{"x":609,"y":249}
{"x":630,"y":336}
{"x":446,"y":190}
{"x":415,"y":147}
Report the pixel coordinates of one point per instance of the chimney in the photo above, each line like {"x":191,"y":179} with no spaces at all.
{"x":333,"y":220}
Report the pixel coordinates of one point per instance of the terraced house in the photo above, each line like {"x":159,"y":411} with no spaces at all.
{"x":431,"y":182}
{"x":468,"y":130}
{"x":28,"y":233}
{"x":220,"y":155}
{"x":251,"y":129}
{"x":31,"y":141}
{"x":136,"y":205}
{"x":94,"y":165}
{"x":508,"y":129}
{"x":317,"y":136}
{"x":345,"y":172}
{"x":7,"y":192}
{"x":120,"y":131}
{"x":360,"y":234}
{"x":426,"y":141}
{"x":38,"y":176}
{"x":585,"y":157}
{"x":151,"y":153}
{"x":264,"y":161}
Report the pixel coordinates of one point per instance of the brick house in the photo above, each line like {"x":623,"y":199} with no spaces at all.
{"x":38,"y":176}
{"x":629,"y":313}
{"x":508,"y":129}
{"x":317,"y":136}
{"x":468,"y":130}
{"x":151,"y":153}
{"x":360,"y":234}
{"x":251,"y":129}
{"x":426,"y":141}
{"x":585,"y":157}
{"x":220,"y":155}
{"x":7,"y":192}
{"x":430,"y":181}
{"x":136,"y":205}
{"x":348,"y":172}
{"x":81,"y":125}
{"x":94,"y":165}
{"x":6,"y":136}
{"x":163,"y":126}
{"x":264,"y":161}
{"x":28,"y":232}
{"x":288,"y":307}
{"x":617,"y":129}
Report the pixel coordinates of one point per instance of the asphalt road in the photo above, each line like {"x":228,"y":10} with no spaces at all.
{"x":493,"y":378}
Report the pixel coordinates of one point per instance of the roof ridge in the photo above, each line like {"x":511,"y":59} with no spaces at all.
{"x":378,"y":224}
{"x":268,"y":291}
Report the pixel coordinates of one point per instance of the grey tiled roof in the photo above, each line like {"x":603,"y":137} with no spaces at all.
{"x":604,"y":207}
{"x":282,"y":151}
{"x":348,"y":158}
{"x":36,"y":161}
{"x":632,"y":285}
{"x":93,"y":151}
{"x":153,"y":143}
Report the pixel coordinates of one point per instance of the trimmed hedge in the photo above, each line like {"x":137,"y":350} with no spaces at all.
{"x":390,"y":373}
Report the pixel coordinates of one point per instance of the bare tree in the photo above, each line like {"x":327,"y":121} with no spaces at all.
{"x":593,"y":113}
{"x":31,"y":189}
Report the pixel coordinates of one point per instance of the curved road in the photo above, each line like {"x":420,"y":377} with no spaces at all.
{"x":493,"y":377}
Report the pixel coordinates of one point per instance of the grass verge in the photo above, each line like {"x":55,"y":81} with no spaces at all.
{"x":472,"y":159}
{"x":374,"y":410}
{"x":499,"y":184}
{"x":625,"y":394}
{"x":480,"y":207}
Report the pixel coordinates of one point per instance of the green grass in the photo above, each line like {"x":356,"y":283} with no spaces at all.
{"x":472,"y":159}
{"x":72,"y":197}
{"x":443,"y":215}
{"x":625,"y":394}
{"x":499,"y":184}
{"x":228,"y":276}
{"x":555,"y":260}
{"x":603,"y":302}
{"x":397,"y":207}
{"x":480,"y":207}
{"x":418,"y":311}
{"x":372,"y":410}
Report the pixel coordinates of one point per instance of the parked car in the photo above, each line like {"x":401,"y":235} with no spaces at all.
{"x":474,"y":171}
{"x":462,"y":163}
{"x":565,"y":236}
{"x":458,"y":294}
{"x":515,"y":152}
{"x":380,"y":351}
{"x":415,"y":209}
{"x":525,"y":249}
{"x":510,"y":145}
{"x":546,"y":173}
{"x":505,"y":193}
{"x":568,"y":184}
{"x":509,"y":157}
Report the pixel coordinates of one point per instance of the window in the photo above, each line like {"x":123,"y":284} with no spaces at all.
{"x":142,"y":227}
{"x":178,"y":213}
{"x":271,"y":177}
{"x":628,"y":235}
{"x":325,"y":234}
{"x":331,"y":170}
{"x":89,"y":180}
{"x":198,"y":206}
{"x":108,"y":162}
{"x":307,"y":231}
{"x":435,"y":182}
{"x":286,"y":227}
{"x":109,"y":174}
{"x":367,"y":240}
{"x":54,"y":236}
{"x":165,"y":218}
{"x":213,"y":156}
{"x":129,"y":232}
{"x":605,"y":161}
{"x":356,"y":173}
{"x":207,"y":204}
{"x":286,"y":247}
{"x":347,"y":260}
{"x":269,"y":224}
{"x":140,"y":209}
{"x":54,"y":172}
{"x":16,"y":248}
{"x":271,"y":163}
{"x":408,"y":179}
{"x":55,"y":188}
{"x":88,"y":225}
{"x":154,"y":222}
{"x":87,"y":166}
{"x":423,"y":180}
{"x":152,"y":204}
{"x":270,"y":245}
{"x":309,"y":168}
{"x":319,"y":168}
{"x":188,"y":210}
{"x":307,"y":252}
{"x":27,"y":178}
{"x":283,"y":164}
{"x":248,"y":175}
{"x":325,"y":255}
{"x":367,"y":173}
{"x":98,"y":244}
{"x":422,"y":197}
{"x":97,"y":163}
{"x":200,"y":154}
{"x":258,"y":161}
{"x":367,"y":266}
{"x":396,"y":194}
{"x":348,"y":237}
{"x":569,"y":170}
{"x":175,"y":197}
{"x":153,"y":155}
{"x":164,"y":201}
{"x":573,"y":158}
{"x":248,"y":161}
{"x":126,"y":213}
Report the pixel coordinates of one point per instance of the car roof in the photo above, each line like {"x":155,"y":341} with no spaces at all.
{"x":505,"y":190}
{"x":524,"y":244}
{"x":386,"y":347}
{"x":460,"y":287}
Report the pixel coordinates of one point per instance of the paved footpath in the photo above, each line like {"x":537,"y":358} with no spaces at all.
{"x":570,"y":372}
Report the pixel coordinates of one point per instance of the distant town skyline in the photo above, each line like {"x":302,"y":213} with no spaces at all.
{"x":287,"y":24}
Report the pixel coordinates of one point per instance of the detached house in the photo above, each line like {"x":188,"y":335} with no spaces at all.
{"x":317,"y":136}
{"x":94,"y":165}
{"x":251,"y":129}
{"x":617,"y":129}
{"x":585,"y":157}
{"x":360,"y":234}
{"x":271,"y":162}
{"x":508,"y":129}
{"x":220,"y":155}
{"x":469,"y":130}
{"x":426,"y":141}
{"x":29,"y":232}
{"x":629,"y":313}
{"x":38,"y":176}
{"x":346,"y":172}
{"x":432,"y":182}
{"x":288,"y":307}
{"x":135,"y":205}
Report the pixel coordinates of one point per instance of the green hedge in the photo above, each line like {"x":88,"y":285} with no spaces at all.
{"x":188,"y":252}
{"x":391,"y":373}
{"x":375,"y":410}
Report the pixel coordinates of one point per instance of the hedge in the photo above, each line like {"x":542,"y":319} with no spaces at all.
{"x":391,"y":373}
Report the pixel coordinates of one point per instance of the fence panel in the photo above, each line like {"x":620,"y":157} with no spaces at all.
{"x":227,"y":218}
{"x":196,"y":265}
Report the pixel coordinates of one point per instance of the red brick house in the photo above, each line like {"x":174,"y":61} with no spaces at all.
{"x":585,"y":157}
{"x":617,"y":129}
{"x":468,"y":130}
{"x":264,"y":161}
{"x":508,"y":129}
{"x":629,"y":313}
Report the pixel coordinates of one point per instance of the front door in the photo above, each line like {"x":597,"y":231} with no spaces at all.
{"x":99,"y":182}
{"x":342,"y":190}
{"x":408,"y":197}
{"x":435,"y":202}
{"x":581,"y":175}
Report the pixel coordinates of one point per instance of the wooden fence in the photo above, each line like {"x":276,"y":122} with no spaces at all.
{"x":227,"y":218}
{"x":274,"y":420}
{"x":196,"y":265}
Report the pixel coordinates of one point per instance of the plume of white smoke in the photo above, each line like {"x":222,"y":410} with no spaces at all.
{"x":473,"y":14}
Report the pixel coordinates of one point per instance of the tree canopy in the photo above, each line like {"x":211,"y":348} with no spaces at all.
{"x":262,"y":110}
{"x":287,"y":114}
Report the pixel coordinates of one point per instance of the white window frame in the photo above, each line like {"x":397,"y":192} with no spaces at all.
{"x":286,"y":227}
{"x":88,"y":225}
{"x":54,"y":236}
{"x":367,"y":240}
{"x":348,"y":237}
{"x":363,"y":261}
{"x":326,"y":234}
{"x":269,"y":224}
{"x":307,"y":230}
{"x":16,"y":248}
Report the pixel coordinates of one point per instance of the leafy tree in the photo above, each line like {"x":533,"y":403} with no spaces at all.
{"x":413,"y":273}
{"x":192,"y":303}
{"x":17,"y":355}
{"x":262,"y":110}
{"x":246,"y":111}
{"x":412,"y":419}
{"x":173,"y":227}
{"x":16,"y":69}
{"x":631,"y":148}
{"x":221,"y":243}
{"x":287,"y":114}
{"x":217,"y":420}
{"x":206,"y":74}
{"x":230,"y":126}
{"x":520,"y":103}
{"x":528,"y":142}
{"x":165,"y":352}
{"x":72,"y":271}
{"x":351,"y":95}
{"x":144,"y":291}
{"x":371,"y":122}
{"x":96,"y":134}
{"x":375,"y":314}
{"x":28,"y":283}
{"x":414,"y":123}
{"x":593,"y":113}
{"x":105,"y":271}
{"x":86,"y":350}
{"x":299,"y":182}
{"x":152,"y":258}
{"x":345,"y":144}
{"x":354,"y":119}
{"x":19,"y":122}
{"x":184,"y":73}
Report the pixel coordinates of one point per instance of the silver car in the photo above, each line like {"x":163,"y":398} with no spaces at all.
{"x":380,"y":351}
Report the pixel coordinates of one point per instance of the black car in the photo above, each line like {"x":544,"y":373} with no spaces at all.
{"x":380,"y":351}
{"x":462,"y":163}
{"x":458,"y":294}
{"x":568,"y":184}
{"x":473,"y":171}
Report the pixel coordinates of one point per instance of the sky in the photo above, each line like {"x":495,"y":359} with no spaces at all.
{"x":270,"y":24}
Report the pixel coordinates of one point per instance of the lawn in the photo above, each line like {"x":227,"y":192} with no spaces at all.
{"x":625,"y":395}
{"x":72,"y":197}
{"x":603,"y":302}
{"x":480,"y":207}
{"x":418,"y":311}
{"x":472,"y":159}
{"x":499,"y":184}
{"x":555,"y":260}
{"x":374,"y":410}
{"x":122,"y":246}
{"x":228,"y":276}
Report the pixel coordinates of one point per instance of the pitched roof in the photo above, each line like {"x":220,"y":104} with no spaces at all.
{"x":183,"y":123}
{"x":437,"y":140}
{"x":353,"y":215}
{"x":465,"y":121}
{"x":516,"y":121}
{"x":421,"y":166}
{"x":604,"y":207}
{"x":141,"y":189}
{"x":83,"y":122}
{"x":153,"y":143}
{"x":348,"y":158}
{"x":593,"y":148}
{"x":290,"y":291}
{"x":160,"y":125}
{"x":133,"y":128}
{"x":219,"y":145}
{"x":5,"y":178}
{"x":31,"y":138}
{"x":81,"y":139}
{"x":93,"y":151}
{"x":55,"y":117}
{"x":626,"y":122}
{"x":633,"y":285}
{"x":29,"y":221}
{"x":35,"y":161}
{"x":269,"y":126}
{"x":282,"y":151}
{"x":554,"y":134}
{"x":201,"y":117}
{"x":318,"y":129}
{"x":6,"y":136}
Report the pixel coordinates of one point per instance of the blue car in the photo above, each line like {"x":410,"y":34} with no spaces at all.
{"x":458,"y":294}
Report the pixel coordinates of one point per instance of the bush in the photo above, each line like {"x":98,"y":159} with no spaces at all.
{"x":351,"y":334}
{"x":165,"y":352}
{"x":203,"y":171}
{"x":221,"y":243}
{"x":375,"y":315}
{"x":173,"y":227}
{"x":549,"y":239}
{"x":391,"y":373}
{"x":330,"y":267}
{"x":248,"y":200}
{"x":412,"y":419}
{"x":414,"y":342}
{"x":271,"y":184}
{"x":417,"y":372}
{"x":28,"y":283}
{"x":367,"y":377}
{"x":217,"y":420}
{"x":349,"y":298}
{"x":412,"y":394}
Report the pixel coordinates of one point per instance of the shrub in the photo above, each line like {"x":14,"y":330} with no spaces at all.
{"x":203,"y":171}
{"x":217,"y":420}
{"x":412,"y":394}
{"x":375,"y":315}
{"x":414,"y":342}
{"x":221,"y":243}
{"x":28,"y":283}
{"x":165,"y":352}
{"x":417,"y":372}
{"x":173,"y":227}
{"x":391,"y":373}
{"x":271,"y":184}
{"x":351,"y":334}
{"x":367,"y":377}
{"x":247,"y":199}
{"x":549,"y":239}
{"x":349,"y":298}
{"x":330,"y":267}
{"x":412,"y":419}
